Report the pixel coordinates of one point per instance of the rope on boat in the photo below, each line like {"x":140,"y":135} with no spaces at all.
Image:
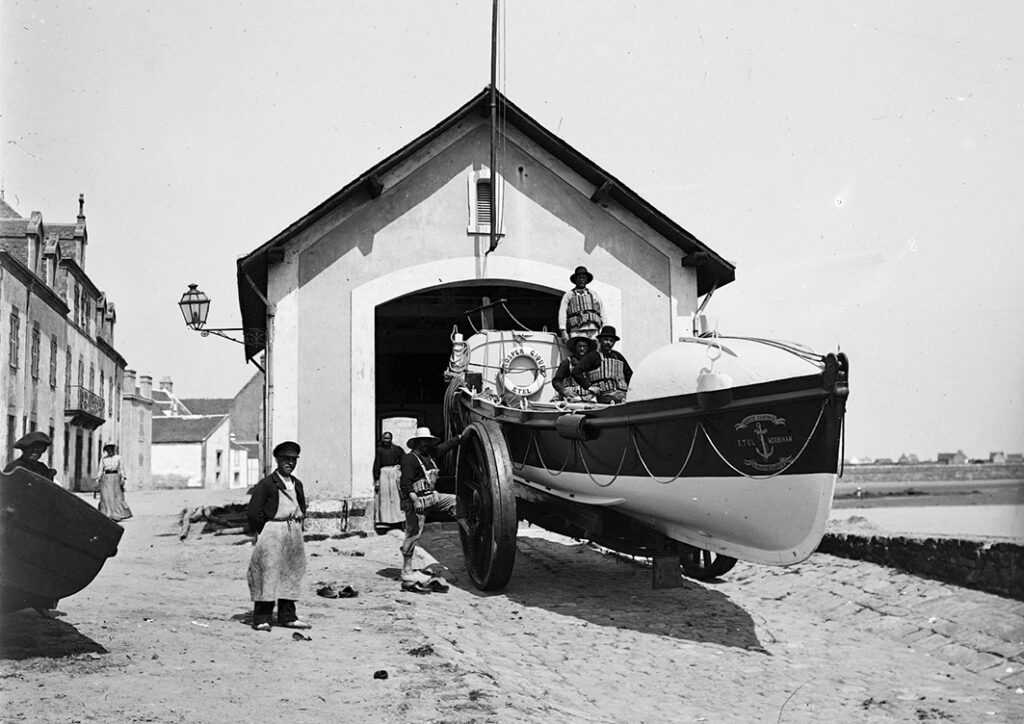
{"x":622,"y":460}
{"x":805,"y":354}
{"x":533,"y":442}
{"x":693,"y":442}
{"x":821,"y":413}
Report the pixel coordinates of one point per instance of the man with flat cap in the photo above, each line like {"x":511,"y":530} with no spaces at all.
{"x":32,"y":447}
{"x":278,"y":564}
{"x":603,"y":371}
{"x":580,"y":314}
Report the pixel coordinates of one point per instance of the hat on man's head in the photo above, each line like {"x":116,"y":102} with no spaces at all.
{"x":581,"y":270}
{"x":422,"y":434}
{"x":287,"y":449}
{"x":608,"y":331}
{"x":591,"y":343}
{"x":33,"y":438}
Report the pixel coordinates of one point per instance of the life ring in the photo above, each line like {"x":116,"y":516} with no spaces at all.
{"x":520,"y":361}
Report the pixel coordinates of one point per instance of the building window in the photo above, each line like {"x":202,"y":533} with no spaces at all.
{"x":480,"y":212}
{"x":110,"y":405}
{"x":49,"y":456}
{"x":15,"y":337}
{"x":53,"y":363}
{"x":92,"y":377}
{"x":78,"y":304}
{"x":12,"y":429}
{"x":142,"y":426}
{"x":81,"y":371}
{"x":67,"y":380}
{"x":34,"y":367}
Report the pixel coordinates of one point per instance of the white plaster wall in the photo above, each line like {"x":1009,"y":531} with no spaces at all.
{"x":219,"y":439}
{"x":177,"y":459}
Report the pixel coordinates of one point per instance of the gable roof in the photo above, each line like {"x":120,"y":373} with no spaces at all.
{"x":194,"y":428}
{"x":7,"y":211}
{"x":208,"y":406}
{"x":712,"y":270}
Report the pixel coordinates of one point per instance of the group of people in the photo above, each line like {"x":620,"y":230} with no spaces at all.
{"x":594,"y":371}
{"x":110,"y":477}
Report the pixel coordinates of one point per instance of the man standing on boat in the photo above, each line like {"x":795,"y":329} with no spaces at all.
{"x":564,"y":384}
{"x":386,"y":474}
{"x":603,"y":371}
{"x":419,"y":497}
{"x":579,"y":314}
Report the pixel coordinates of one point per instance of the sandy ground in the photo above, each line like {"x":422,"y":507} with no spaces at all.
{"x":163,"y":635}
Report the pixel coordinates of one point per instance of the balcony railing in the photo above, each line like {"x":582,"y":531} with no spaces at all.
{"x":84,"y":407}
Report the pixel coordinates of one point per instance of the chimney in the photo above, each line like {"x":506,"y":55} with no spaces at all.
{"x":167,"y":384}
{"x":128,"y":386}
{"x":146,"y":386}
{"x":81,"y":208}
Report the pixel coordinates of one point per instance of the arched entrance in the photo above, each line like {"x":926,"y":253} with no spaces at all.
{"x":413,"y":343}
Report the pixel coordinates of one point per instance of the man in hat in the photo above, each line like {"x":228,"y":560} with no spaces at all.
{"x":32,"y":447}
{"x":579,"y":314}
{"x":418,"y":493}
{"x":563,"y":382}
{"x":278,"y":564}
{"x":603,"y":371}
{"x":387,"y":471}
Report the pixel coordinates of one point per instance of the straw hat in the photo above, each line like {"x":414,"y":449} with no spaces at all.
{"x":422,"y":433}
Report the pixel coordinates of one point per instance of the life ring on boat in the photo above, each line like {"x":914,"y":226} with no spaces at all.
{"x":518,"y":363}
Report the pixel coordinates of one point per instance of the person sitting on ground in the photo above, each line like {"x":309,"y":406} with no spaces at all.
{"x":579,"y":314}
{"x":32,"y":447}
{"x":603,"y":371}
{"x":278,"y":564}
{"x":563,"y":382}
{"x":419,"y":497}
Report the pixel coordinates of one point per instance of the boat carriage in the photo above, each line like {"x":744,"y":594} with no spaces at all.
{"x":52,"y":544}
{"x":727,"y":448}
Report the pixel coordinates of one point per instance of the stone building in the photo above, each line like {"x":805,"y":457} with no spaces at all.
{"x":61,"y":371}
{"x":358,"y":297}
{"x":137,"y":430}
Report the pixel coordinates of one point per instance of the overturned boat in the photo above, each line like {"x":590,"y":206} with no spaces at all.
{"x":52,"y":544}
{"x":727,"y":448}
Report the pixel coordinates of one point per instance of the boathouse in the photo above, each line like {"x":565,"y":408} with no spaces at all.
{"x":351,"y":307}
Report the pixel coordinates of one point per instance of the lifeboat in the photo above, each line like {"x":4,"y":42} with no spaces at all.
{"x":726,"y":449}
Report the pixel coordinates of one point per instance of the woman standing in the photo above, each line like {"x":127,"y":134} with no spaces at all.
{"x":278,"y":562}
{"x":111,"y":482}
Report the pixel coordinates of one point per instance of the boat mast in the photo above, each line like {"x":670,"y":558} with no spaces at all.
{"x":494,"y":127}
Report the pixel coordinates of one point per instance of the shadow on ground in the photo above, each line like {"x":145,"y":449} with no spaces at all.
{"x":28,"y":634}
{"x":575,"y":580}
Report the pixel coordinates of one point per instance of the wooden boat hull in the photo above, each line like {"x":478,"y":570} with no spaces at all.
{"x":52,"y":544}
{"x":750,"y":475}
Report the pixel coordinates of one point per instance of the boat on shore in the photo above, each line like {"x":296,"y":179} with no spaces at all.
{"x":52,"y":543}
{"x":727,"y":448}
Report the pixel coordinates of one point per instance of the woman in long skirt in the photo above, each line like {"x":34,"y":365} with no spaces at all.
{"x":278,"y":564}
{"x":111,"y":480}
{"x":387,"y":472}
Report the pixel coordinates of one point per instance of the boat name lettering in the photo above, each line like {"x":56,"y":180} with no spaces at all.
{"x":539,"y":373}
{"x":763,"y":417}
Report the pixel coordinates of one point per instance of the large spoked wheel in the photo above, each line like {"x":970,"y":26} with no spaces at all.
{"x":705,"y":565}
{"x":486,"y":506}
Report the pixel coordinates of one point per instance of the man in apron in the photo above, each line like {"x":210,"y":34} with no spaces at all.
{"x":419,"y":497}
{"x":603,"y":371}
{"x":579,"y":314}
{"x":278,"y":564}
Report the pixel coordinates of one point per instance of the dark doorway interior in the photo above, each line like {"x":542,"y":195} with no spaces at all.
{"x":413,"y":341}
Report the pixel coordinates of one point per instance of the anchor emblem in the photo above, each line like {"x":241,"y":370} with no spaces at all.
{"x":761,"y":436}
{"x":765,"y":450}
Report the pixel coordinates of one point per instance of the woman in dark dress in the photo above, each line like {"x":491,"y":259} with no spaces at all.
{"x":32,"y":447}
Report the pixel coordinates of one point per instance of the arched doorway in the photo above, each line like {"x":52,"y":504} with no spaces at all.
{"x":413,"y":343}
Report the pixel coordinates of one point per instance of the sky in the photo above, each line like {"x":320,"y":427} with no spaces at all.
{"x":862,"y":164}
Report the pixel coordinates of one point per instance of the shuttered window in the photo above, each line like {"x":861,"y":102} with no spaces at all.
{"x":483,"y":202}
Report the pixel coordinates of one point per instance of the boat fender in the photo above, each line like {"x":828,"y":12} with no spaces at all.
{"x":540,"y":370}
{"x":570,"y":427}
{"x":714,"y":389}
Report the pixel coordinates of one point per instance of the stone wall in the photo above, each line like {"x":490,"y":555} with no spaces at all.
{"x":987,"y":566}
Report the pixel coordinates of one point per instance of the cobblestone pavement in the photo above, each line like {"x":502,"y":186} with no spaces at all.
{"x":577,"y":636}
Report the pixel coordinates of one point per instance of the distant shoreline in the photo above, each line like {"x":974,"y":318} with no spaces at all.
{"x":924,"y":472}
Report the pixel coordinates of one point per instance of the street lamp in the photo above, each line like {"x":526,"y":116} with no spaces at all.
{"x":195,"y":306}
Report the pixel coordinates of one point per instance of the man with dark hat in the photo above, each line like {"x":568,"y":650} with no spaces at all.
{"x":603,"y":371}
{"x":563,"y":382}
{"x":579,"y":314}
{"x":419,"y":497}
{"x":278,"y":564}
{"x":32,"y":447}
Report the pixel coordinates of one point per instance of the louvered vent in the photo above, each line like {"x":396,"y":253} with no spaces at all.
{"x":483,"y":202}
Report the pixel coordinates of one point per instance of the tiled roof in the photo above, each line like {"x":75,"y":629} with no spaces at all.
{"x":7,"y":211}
{"x":13,"y":227}
{"x":208,"y":406}
{"x":194,"y":428}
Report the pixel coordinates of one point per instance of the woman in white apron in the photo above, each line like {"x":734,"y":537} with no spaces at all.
{"x":111,"y":482}
{"x":278,"y":564}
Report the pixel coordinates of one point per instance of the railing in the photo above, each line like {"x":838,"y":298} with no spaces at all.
{"x":83,"y":400}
